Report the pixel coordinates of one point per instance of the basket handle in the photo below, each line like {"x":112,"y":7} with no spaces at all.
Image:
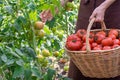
{"x":103,"y":26}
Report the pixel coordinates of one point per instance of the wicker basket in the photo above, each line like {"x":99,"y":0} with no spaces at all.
{"x":97,"y":64}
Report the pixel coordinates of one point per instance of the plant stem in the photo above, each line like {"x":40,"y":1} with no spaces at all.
{"x":67,"y":23}
{"x":34,"y":40}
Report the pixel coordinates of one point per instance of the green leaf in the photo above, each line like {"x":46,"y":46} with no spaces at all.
{"x":57,"y":44}
{"x":19,"y":72}
{"x":1,"y":17}
{"x":28,"y":74}
{"x":31,"y":52}
{"x":1,"y":1}
{"x":17,"y":26}
{"x":31,"y":6}
{"x":9,"y":9}
{"x":9,"y":62}
{"x":52,"y":9}
{"x":19,"y":52}
{"x":4,"y":58}
{"x":47,"y":30}
{"x":12,"y":52}
{"x":45,"y":7}
{"x":20,"y":62}
{"x":65,"y":78}
{"x":15,"y":54}
{"x":50,"y":74}
{"x":51,"y":23}
{"x":33,"y":16}
{"x":21,"y":20}
{"x":46,"y":77}
{"x":36,"y":72}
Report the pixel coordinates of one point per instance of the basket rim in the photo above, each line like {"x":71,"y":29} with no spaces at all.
{"x":92,"y":51}
{"x":104,"y":30}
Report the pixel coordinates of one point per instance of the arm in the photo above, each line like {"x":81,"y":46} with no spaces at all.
{"x":99,"y":12}
{"x":107,"y":3}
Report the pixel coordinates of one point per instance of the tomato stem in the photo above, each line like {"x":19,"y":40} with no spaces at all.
{"x":73,"y":40}
{"x":67,"y":23}
{"x":34,"y":40}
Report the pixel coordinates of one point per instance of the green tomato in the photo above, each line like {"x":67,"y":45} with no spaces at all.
{"x":45,"y":53}
{"x":40,"y":33}
{"x":66,"y":68}
{"x":38,"y":51}
{"x":70,"y":6}
{"x":45,"y":63}
{"x":38,"y":25}
{"x":60,"y":33}
{"x":40,"y":58}
{"x":54,"y":29}
{"x":56,"y":54}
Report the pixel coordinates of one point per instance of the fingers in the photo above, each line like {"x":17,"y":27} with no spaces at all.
{"x":93,"y":16}
{"x":98,"y":17}
{"x":98,"y":14}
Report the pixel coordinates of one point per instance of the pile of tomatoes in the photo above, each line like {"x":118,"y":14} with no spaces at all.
{"x":98,"y":41}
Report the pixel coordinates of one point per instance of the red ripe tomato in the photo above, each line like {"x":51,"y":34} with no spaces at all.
{"x":91,"y":38}
{"x":106,"y":47}
{"x":112,"y":36}
{"x":101,"y":33}
{"x":73,"y":42}
{"x":92,"y":34}
{"x":107,"y":42}
{"x":96,"y":48}
{"x":83,"y":48}
{"x":115,"y":46}
{"x":116,"y":41}
{"x":100,"y":46}
{"x":84,"y":44}
{"x":80,"y":33}
{"x":99,"y":38}
{"x":113,"y":31}
{"x":94,"y":44}
{"x":73,"y":36}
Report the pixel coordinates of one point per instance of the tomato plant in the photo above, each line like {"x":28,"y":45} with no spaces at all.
{"x":23,"y":37}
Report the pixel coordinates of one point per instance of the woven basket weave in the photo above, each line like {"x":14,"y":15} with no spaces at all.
{"x":97,"y":63}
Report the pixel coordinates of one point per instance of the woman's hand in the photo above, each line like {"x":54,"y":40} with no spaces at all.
{"x":98,"y":14}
